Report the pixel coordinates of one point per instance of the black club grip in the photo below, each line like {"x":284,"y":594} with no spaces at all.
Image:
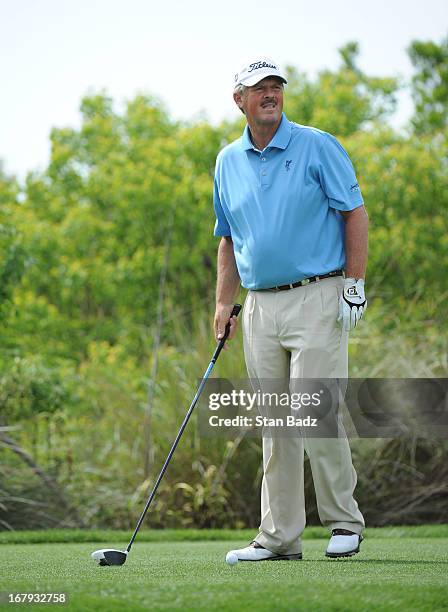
{"x":235,"y":312}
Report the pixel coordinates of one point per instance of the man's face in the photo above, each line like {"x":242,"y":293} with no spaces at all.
{"x":262,"y":103}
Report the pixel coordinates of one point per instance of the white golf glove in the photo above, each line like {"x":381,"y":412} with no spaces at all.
{"x":352,"y":303}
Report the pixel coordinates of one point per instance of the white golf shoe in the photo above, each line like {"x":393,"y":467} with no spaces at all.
{"x":256,"y":552}
{"x":343,"y":543}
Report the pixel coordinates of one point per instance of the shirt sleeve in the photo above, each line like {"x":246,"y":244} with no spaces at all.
{"x":337,"y":176}
{"x":222,"y":227}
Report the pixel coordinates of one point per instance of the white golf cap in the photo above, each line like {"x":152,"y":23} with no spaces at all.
{"x":256,"y":70}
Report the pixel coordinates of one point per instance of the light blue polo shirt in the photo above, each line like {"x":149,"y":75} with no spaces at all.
{"x":280,"y":205}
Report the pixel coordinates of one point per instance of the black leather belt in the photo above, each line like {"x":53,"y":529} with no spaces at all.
{"x":304,"y":281}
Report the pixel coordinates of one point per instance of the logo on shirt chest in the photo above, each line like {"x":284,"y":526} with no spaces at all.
{"x":288,"y":163}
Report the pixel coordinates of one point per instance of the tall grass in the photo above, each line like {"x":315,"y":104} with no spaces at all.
{"x":95,"y":449}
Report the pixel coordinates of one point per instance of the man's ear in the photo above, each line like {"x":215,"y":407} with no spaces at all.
{"x":238,"y":101}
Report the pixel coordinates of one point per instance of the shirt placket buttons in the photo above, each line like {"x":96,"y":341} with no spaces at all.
{"x":264,"y":174}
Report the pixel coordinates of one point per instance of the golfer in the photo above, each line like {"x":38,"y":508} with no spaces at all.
{"x":293,"y":231}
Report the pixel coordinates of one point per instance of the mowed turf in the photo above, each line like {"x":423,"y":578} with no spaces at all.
{"x":393,"y":573}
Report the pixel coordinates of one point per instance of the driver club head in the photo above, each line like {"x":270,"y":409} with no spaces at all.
{"x":109,"y":556}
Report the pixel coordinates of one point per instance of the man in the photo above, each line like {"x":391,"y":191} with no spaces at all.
{"x":294,"y":232}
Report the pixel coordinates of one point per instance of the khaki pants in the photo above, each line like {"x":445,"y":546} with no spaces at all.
{"x":291,"y":335}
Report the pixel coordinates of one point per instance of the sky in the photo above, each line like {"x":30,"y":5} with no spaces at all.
{"x":54,"y":52}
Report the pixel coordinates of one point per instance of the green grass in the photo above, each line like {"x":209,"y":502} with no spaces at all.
{"x":395,"y":572}
{"x":203,"y":535}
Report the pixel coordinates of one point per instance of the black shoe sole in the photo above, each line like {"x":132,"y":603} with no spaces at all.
{"x":296,"y":557}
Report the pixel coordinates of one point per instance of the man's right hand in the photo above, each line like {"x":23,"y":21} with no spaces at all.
{"x":222,"y":317}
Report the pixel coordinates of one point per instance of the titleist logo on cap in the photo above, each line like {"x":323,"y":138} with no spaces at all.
{"x":257,"y":65}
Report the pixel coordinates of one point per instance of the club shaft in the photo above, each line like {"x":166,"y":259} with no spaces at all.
{"x":219,"y":347}
{"x":181,"y":431}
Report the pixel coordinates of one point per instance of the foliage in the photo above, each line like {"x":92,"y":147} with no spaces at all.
{"x":430,"y":85}
{"x":30,"y":387}
{"x":12,"y":253}
{"x":342,"y":102}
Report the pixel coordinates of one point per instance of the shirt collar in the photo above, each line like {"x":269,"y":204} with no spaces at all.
{"x":280,"y":140}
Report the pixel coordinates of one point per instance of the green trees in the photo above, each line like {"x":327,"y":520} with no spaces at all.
{"x":12,"y":253}
{"x":340,"y":102}
{"x":95,"y":222}
{"x":430,"y":85}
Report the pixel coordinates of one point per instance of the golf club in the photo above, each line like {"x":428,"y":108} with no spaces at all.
{"x":110,"y":556}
